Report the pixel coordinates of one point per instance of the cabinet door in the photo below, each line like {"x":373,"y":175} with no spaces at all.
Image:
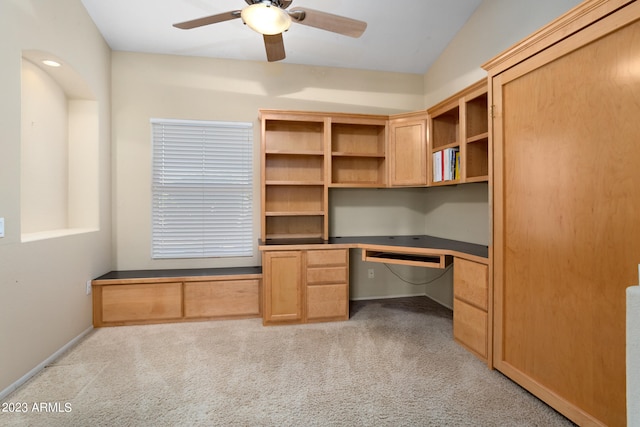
{"x":222,"y":298}
{"x":407,"y":149}
{"x":566,"y":204}
{"x":282,"y":276}
{"x":141,"y":302}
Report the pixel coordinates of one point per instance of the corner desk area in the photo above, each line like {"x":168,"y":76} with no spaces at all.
{"x":306,"y":154}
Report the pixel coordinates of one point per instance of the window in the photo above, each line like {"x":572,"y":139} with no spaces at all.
{"x":202,"y":189}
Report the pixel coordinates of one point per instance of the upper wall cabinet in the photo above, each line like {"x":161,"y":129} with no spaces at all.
{"x":407,"y":149}
{"x":459,"y":138}
{"x":358,"y":151}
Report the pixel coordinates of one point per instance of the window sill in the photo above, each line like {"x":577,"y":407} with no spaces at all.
{"x":52,"y":234}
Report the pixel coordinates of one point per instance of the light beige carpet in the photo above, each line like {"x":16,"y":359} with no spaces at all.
{"x":393,"y":364}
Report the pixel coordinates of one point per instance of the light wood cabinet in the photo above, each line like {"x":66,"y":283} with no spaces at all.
{"x":471,"y":306}
{"x":132,"y":299}
{"x":327,"y":285}
{"x":407,"y":149}
{"x":305,"y":153}
{"x":294,"y":191}
{"x":141,"y":302}
{"x":303,"y":286}
{"x":565,"y":210}
{"x":208,"y":299}
{"x":459,"y":138}
{"x":283,"y":287}
{"x":358,"y":151}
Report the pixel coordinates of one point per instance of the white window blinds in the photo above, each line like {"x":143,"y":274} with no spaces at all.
{"x":202,"y":189}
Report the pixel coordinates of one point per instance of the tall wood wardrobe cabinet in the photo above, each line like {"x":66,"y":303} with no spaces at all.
{"x":566,"y":207}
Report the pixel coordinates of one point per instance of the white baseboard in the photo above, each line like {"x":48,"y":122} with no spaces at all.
{"x":26,"y":377}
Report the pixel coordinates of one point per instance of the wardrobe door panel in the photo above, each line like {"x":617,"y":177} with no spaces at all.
{"x":567,"y":234}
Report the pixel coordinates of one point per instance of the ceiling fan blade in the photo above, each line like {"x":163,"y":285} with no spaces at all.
{"x":213,"y":19}
{"x":328,"y":21}
{"x":274,"y":45}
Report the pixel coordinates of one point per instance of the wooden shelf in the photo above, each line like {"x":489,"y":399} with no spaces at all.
{"x":462,"y":122}
{"x":296,"y":168}
{"x":294,"y":213}
{"x":358,"y":170}
{"x":480,"y":137}
{"x":294,"y":136}
{"x":294,"y":226}
{"x":454,"y":144}
{"x":296,"y":152}
{"x":297,"y":183}
{"x":358,"y":154}
{"x":342,"y":154}
{"x":359,"y":184}
{"x":445,"y":128}
{"x":291,"y":236}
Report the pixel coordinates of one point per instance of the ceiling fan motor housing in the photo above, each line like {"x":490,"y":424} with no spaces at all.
{"x":282,"y":4}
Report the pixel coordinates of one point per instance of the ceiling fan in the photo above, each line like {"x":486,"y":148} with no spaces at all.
{"x":269,"y":18}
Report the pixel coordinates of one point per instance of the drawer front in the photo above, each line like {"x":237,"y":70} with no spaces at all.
{"x":327,"y":257}
{"x":141,"y":302}
{"x":470,"y":282}
{"x":470,"y":327}
{"x":222,"y":298}
{"x":326,"y":275}
{"x":328,"y":302}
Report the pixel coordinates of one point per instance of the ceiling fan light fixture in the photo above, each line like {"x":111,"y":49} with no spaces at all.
{"x":266,"y":19}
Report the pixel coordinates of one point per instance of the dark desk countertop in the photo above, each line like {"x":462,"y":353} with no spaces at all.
{"x":186,"y":272}
{"x":411,"y":241}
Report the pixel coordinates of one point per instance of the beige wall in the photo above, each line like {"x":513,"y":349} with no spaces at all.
{"x":462,"y":212}
{"x":163,"y":86}
{"x":494,"y":26}
{"x":43,"y":304}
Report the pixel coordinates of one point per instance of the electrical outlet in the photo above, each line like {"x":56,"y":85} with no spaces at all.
{"x":88,"y":288}
{"x":372,"y":273}
{"x":1,"y":227}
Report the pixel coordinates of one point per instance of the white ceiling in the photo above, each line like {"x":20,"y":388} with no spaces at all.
{"x":401,"y":36}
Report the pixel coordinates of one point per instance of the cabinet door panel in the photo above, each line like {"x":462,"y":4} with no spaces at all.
{"x":222,"y":298}
{"x":282,"y":286}
{"x":408,"y":153}
{"x":470,"y":282}
{"x":470,"y":327}
{"x":141,"y":302}
{"x":326,"y":275}
{"x":567,"y":236}
{"x":328,"y":302}
{"x":327,"y":257}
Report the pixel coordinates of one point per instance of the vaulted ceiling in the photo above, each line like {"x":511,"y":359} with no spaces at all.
{"x":401,"y":36}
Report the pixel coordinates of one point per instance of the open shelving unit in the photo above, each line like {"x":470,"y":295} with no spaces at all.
{"x":476,"y":116}
{"x":358,"y":153}
{"x":294,"y":192}
{"x":460,"y":125}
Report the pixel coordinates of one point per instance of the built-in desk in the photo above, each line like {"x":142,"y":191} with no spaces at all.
{"x":417,"y":250}
{"x":304,"y":277}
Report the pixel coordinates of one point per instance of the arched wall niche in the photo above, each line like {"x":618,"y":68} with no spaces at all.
{"x":59,"y":150}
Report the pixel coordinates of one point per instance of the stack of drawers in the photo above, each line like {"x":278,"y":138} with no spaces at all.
{"x":470,"y":306}
{"x":327,"y":285}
